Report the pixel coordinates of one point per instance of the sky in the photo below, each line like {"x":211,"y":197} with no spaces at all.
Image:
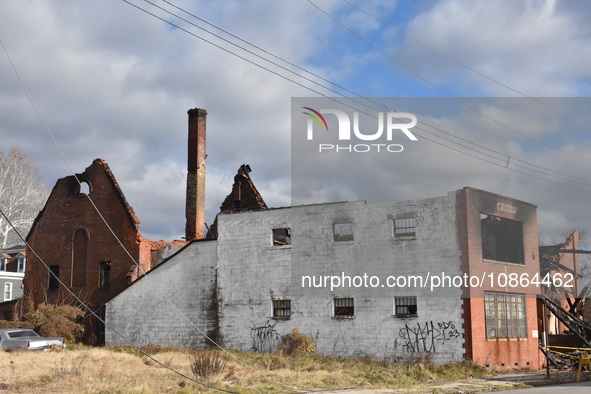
{"x":114,"y":82}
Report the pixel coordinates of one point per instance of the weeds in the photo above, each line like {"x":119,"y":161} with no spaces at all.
{"x":122,"y":369}
{"x":207,"y":364}
{"x":296,"y":344}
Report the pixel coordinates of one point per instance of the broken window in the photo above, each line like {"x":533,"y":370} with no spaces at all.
{"x":344,"y":307}
{"x":282,"y":309}
{"x":505,"y":315}
{"x":54,"y":274}
{"x":82,"y":187}
{"x":343,"y":231}
{"x":105,"y":274}
{"x":405,"y":227}
{"x":2,"y":264}
{"x":281,"y":236}
{"x":502,"y":239}
{"x":405,"y":306}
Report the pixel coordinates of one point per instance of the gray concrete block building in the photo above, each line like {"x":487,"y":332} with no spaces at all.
{"x":391,"y":280}
{"x":265,"y":275}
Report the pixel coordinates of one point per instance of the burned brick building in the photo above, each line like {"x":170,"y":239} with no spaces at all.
{"x":89,"y":239}
{"x":78,"y":235}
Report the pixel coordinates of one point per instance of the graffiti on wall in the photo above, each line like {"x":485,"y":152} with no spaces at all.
{"x":427,"y":337}
{"x":264,"y":338}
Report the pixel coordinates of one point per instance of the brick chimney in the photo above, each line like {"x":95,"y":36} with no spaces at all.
{"x":195,"y":208}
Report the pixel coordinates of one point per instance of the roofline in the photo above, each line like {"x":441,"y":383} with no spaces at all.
{"x":161,"y":264}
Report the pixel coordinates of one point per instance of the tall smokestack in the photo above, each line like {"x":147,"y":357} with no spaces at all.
{"x":195,"y":208}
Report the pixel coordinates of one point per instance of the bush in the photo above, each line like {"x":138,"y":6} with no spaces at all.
{"x":57,"y":321}
{"x":296,"y":344}
{"x":207,"y":364}
{"x":15,"y":324}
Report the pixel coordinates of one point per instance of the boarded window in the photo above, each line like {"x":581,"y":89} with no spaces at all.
{"x":502,"y":239}
{"x":105,"y":274}
{"x":281,"y":236}
{"x":344,"y":307}
{"x":505,"y":315}
{"x":54,"y":274}
{"x":405,"y":306}
{"x":405,"y":227}
{"x":343,"y":232}
{"x":281,"y":309}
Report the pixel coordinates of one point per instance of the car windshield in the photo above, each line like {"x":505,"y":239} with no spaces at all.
{"x":22,"y":333}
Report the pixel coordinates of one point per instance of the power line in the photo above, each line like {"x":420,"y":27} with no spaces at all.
{"x":496,"y":81}
{"x":83,"y":304}
{"x":541,"y":170}
{"x":526,"y":165}
{"x":441,"y":89}
{"x":103,"y":219}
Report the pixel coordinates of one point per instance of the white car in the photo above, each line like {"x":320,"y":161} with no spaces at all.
{"x":25,"y":339}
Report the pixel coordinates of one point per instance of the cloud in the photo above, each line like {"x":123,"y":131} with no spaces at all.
{"x":528,"y":45}
{"x":116,"y":83}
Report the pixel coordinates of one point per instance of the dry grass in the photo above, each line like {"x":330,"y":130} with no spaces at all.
{"x":123,"y":370}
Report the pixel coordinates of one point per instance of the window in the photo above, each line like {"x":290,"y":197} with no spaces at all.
{"x":281,"y":236}
{"x":83,"y":187}
{"x":502,"y":239}
{"x":405,"y":227}
{"x":343,"y":232}
{"x":7,"y":291}
{"x":505,"y":315}
{"x":344,"y":307}
{"x":405,"y":306}
{"x":105,"y":274}
{"x":2,"y":264}
{"x":21,"y":264}
{"x":281,"y":309}
{"x":53,"y":277}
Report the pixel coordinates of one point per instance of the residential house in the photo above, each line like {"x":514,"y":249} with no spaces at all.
{"x":13,"y":262}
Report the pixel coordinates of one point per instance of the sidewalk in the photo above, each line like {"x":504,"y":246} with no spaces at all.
{"x":495,"y":383}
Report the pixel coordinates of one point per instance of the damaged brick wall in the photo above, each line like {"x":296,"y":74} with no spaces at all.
{"x":72,"y":238}
{"x":243,"y":197}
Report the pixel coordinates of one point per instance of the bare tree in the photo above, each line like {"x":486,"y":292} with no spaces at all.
{"x":22,"y":195}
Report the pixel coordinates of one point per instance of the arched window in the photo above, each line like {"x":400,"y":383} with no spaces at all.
{"x":79,"y":252}
{"x":83,"y":187}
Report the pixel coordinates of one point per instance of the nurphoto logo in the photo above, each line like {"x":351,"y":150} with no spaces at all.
{"x":345,"y":131}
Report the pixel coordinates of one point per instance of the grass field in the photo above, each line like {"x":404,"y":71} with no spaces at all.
{"x":80,"y":369}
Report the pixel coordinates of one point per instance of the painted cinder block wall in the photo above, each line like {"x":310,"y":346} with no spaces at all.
{"x":143,"y":315}
{"x":522,"y":352}
{"x":227,"y":286}
{"x":252,"y":272}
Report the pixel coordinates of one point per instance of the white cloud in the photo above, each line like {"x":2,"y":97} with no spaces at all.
{"x":114,"y":82}
{"x":535,"y":46}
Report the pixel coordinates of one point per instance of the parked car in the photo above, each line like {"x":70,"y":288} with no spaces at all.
{"x":22,"y":338}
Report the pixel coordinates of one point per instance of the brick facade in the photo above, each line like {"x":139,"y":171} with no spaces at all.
{"x":83,"y":247}
{"x":497,"y":352}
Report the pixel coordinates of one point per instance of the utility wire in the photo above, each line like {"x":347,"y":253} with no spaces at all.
{"x":542,"y":170}
{"x":83,"y":304}
{"x":441,"y":89}
{"x":141,"y":270}
{"x":496,"y":81}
